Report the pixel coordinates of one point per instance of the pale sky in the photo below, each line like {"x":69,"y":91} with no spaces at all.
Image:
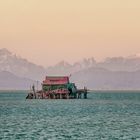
{"x":48,"y":31}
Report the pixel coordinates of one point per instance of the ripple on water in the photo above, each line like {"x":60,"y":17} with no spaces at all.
{"x":102,"y":116}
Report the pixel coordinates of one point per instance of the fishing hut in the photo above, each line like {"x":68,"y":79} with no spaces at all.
{"x":57,"y":87}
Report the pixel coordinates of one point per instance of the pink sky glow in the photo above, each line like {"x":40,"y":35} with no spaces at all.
{"x":48,"y":31}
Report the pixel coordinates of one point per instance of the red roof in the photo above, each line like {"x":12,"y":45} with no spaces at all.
{"x":56,"y":80}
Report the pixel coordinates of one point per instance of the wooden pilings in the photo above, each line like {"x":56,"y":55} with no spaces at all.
{"x":79,"y":94}
{"x":82,"y":93}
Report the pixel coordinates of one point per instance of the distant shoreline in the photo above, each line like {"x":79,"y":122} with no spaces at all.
{"x":8,"y":90}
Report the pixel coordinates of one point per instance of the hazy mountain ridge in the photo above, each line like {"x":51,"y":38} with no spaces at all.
{"x":129,"y":64}
{"x":11,"y":81}
{"x":121,"y":63}
{"x":112,"y":73}
{"x":19,"y":66}
{"x":64,"y":68}
{"x":99,"y":78}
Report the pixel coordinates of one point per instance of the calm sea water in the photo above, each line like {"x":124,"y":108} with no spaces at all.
{"x":106,"y":115}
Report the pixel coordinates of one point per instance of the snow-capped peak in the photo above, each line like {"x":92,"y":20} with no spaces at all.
{"x":63,"y":64}
{"x":4,"y":51}
{"x":134,"y":56}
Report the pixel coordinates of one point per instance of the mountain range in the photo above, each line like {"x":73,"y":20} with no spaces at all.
{"x":103,"y":79}
{"x":11,"y":81}
{"x":19,"y":66}
{"x":112,"y":73}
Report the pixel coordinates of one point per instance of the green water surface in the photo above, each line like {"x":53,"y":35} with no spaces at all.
{"x":105,"y":115}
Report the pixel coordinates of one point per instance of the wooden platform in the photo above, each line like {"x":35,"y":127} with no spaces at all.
{"x":79,"y":94}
